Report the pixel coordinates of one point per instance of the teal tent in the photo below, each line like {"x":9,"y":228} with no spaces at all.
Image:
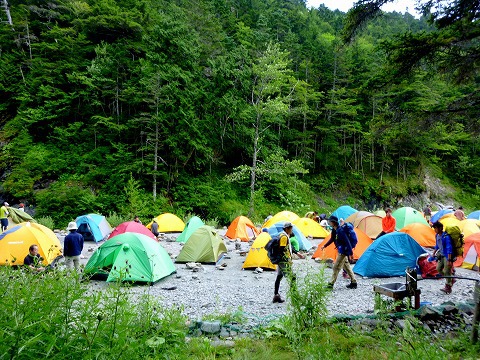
{"x":388,"y":256}
{"x":344,"y":212}
{"x":407,"y":215}
{"x":130,"y":257}
{"x":203,"y":246}
{"x":193,"y":224}
{"x":93,"y":227}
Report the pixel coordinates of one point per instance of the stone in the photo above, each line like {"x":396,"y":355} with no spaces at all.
{"x":449,"y":309}
{"x":191,"y":265}
{"x":169,"y":288}
{"x":211,"y":327}
{"x":427,"y":313}
{"x":224,"y":332}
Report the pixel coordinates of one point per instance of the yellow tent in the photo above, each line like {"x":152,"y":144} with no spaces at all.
{"x":449,"y":221}
{"x":281,"y":216}
{"x":310,"y":227}
{"x":14,"y":243}
{"x":469,"y":227}
{"x":168,"y":223}
{"x":257,"y":256}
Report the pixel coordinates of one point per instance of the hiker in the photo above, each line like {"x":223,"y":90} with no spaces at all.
{"x":33,"y":260}
{"x":295,"y":243}
{"x":154,"y":228}
{"x":72,"y":247}
{"x":312,"y":215}
{"x":285,"y":266}
{"x":427,"y":212}
{"x":459,"y":214}
{"x":137,"y":220}
{"x":21,"y":207}
{"x":388,"y":223}
{"x":443,"y":252}
{"x":345,"y":251}
{"x":3,"y":216}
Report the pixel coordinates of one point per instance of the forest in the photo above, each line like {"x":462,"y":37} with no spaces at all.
{"x":227,"y":107}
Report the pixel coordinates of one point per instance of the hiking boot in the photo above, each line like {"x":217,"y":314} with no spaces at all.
{"x":352,"y":285}
{"x":447,"y":289}
{"x":277,"y":299}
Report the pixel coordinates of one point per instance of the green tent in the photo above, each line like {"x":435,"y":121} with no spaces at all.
{"x":407,"y":215}
{"x":193,"y":224}
{"x":204,"y":246}
{"x":130,"y":257}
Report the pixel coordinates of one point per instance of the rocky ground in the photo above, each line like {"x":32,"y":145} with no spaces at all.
{"x":210,"y":290}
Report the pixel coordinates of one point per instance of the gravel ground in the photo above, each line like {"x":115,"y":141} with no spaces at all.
{"x":213,"y":291}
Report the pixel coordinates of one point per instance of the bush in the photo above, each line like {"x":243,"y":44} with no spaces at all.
{"x":46,"y":221}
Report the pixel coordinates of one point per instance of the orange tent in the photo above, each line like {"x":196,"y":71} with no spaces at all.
{"x":242,"y":228}
{"x":369,"y":223}
{"x":331,"y":252}
{"x":424,"y":235}
{"x":471,"y":253}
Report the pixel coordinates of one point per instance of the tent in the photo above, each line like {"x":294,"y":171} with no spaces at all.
{"x":344,"y":212}
{"x":471,"y":253}
{"x":310,"y":227}
{"x":331,"y":252}
{"x":407,"y":215}
{"x":474,"y":215}
{"x":17,"y":216}
{"x":302,"y":240}
{"x":14,"y":243}
{"x":257,"y":256}
{"x":449,"y":221}
{"x":423,"y":234}
{"x":130,"y":257}
{"x":203,"y":246}
{"x":439,"y":214}
{"x":242,"y":228}
{"x":369,"y":223}
{"x":380,"y":213}
{"x":389,"y":255}
{"x":168,"y":223}
{"x":193,"y":224}
{"x":469,"y":226}
{"x":132,"y":226}
{"x":281,"y":216}
{"x":93,"y":227}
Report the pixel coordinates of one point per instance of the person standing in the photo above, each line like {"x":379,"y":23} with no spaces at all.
{"x":4,"y":216}
{"x":427,"y":212}
{"x":345,"y":251}
{"x":154,"y":228}
{"x":388,"y":223}
{"x":284,"y":267}
{"x":443,"y":251}
{"x":72,"y":247}
{"x":459,"y":214}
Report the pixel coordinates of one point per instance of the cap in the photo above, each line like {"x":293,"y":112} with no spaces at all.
{"x":333,"y":218}
{"x":287,"y":225}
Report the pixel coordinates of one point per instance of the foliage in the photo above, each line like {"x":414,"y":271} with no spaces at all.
{"x":46,"y":221}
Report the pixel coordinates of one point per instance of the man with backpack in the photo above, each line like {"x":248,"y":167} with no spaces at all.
{"x":444,"y":253}
{"x":345,"y":250}
{"x":284,"y":267}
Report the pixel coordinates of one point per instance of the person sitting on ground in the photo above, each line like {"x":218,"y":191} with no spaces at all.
{"x":33,"y":260}
{"x":459,"y":214}
{"x":388,"y":223}
{"x":154,"y":228}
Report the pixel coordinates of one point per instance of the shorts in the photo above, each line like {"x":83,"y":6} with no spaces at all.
{"x":4,"y":223}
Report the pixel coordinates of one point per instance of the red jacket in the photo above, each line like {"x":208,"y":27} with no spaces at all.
{"x":388,"y":224}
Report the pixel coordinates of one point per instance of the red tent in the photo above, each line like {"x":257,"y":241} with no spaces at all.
{"x":132,"y":226}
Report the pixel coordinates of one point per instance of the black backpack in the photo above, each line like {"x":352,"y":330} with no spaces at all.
{"x":274,"y":251}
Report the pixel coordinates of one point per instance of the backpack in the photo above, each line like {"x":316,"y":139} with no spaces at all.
{"x":457,"y":240}
{"x":350,"y":232}
{"x":274,"y":252}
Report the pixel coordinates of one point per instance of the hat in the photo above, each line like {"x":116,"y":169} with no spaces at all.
{"x":287,"y":225}
{"x":21,"y":205}
{"x":333,"y":218}
{"x":6,"y":204}
{"x":72,"y":225}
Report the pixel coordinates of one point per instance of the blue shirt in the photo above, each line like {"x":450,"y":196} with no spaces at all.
{"x":73,"y":244}
{"x":444,"y":244}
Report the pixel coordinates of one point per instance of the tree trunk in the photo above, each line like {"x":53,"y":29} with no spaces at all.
{"x":253,"y":172}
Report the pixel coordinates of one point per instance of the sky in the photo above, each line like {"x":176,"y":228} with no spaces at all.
{"x":344,"y":5}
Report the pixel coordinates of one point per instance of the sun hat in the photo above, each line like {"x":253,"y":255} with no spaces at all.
{"x":72,"y":225}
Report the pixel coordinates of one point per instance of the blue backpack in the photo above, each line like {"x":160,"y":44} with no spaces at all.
{"x":274,"y":252}
{"x":350,"y":232}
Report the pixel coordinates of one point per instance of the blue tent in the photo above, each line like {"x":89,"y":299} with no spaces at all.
{"x":435,"y":217}
{"x":302,"y":240}
{"x":93,"y":227}
{"x":344,"y":212}
{"x":389,"y":255}
{"x":474,"y":215}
